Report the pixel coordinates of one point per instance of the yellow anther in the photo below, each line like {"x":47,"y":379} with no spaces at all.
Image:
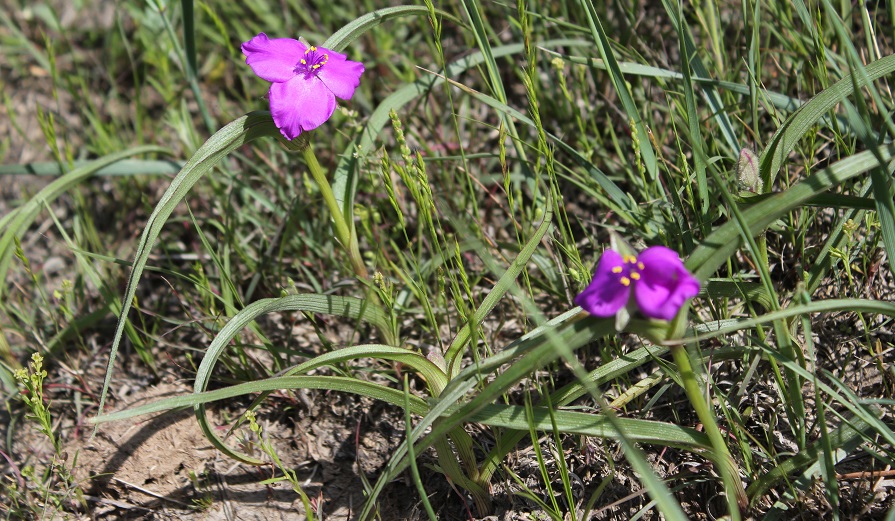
{"x":311,"y":49}
{"x":641,"y":266}
{"x":625,"y":281}
{"x":630,"y":260}
{"x":617,"y":269}
{"x":304,"y":62}
{"x":635,"y":275}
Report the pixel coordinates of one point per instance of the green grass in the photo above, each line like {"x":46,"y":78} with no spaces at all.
{"x":434,"y":239}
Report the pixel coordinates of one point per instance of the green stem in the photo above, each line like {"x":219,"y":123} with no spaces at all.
{"x":344,"y":229}
{"x":736,"y":494}
{"x":345,"y":233}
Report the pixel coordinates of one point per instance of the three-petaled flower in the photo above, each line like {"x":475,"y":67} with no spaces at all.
{"x":659,"y":280}
{"x":305,"y":80}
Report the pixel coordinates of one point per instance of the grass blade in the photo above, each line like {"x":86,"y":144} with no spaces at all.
{"x":243,"y":130}
{"x":15,"y":223}
{"x":621,"y":88}
{"x":784,"y":140}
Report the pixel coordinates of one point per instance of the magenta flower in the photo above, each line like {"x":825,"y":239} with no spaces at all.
{"x":659,"y":279}
{"x":306,"y":80}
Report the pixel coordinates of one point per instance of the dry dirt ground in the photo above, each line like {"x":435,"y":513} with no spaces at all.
{"x":164,"y":466}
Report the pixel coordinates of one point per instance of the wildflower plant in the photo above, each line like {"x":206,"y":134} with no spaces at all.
{"x":32,"y":382}
{"x":647,"y":294}
{"x":305,"y":81}
{"x":657,"y":278}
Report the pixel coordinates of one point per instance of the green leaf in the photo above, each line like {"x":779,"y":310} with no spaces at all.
{"x":724,"y":241}
{"x":354,"y":29}
{"x":349,"y":307}
{"x":16,"y":222}
{"x":241,"y":131}
{"x":797,"y":124}
{"x":452,"y":353}
{"x":621,"y":88}
{"x":716,"y":106}
{"x":588,"y":424}
{"x":124,"y":167}
{"x":331,"y":383}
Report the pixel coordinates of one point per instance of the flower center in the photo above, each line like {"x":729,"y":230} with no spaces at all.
{"x":629,"y":270}
{"x":311,"y":63}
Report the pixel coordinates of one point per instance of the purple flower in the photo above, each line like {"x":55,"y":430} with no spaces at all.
{"x":659,"y":279}
{"x":306,"y":80}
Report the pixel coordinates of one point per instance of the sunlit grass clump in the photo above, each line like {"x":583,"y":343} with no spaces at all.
{"x":609,"y":241}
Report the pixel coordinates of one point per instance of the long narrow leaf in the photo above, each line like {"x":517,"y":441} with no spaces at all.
{"x":588,"y":424}
{"x":794,"y":128}
{"x":15,"y":223}
{"x":621,"y":88}
{"x":723,"y":242}
{"x":452,"y":353}
{"x":348,"y":307}
{"x":124,"y":167}
{"x":331,"y":383}
{"x":243,"y":130}
{"x":695,"y":62}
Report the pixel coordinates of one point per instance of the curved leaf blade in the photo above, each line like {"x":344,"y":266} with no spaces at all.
{"x":16,"y":222}
{"x":243,"y":130}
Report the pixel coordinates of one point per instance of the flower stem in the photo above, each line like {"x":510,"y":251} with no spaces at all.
{"x":733,"y":485}
{"x":345,"y":232}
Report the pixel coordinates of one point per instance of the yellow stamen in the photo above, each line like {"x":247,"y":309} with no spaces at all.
{"x":630,"y":260}
{"x":625,"y":281}
{"x":617,"y":269}
{"x":304,"y":62}
{"x":322,"y":62}
{"x":641,"y":266}
{"x":635,"y":275}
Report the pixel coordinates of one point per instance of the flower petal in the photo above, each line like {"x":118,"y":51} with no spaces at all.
{"x":273,"y":60}
{"x":664,"y":285}
{"x":340,"y":75}
{"x":302,"y":103}
{"x":605,"y":295}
